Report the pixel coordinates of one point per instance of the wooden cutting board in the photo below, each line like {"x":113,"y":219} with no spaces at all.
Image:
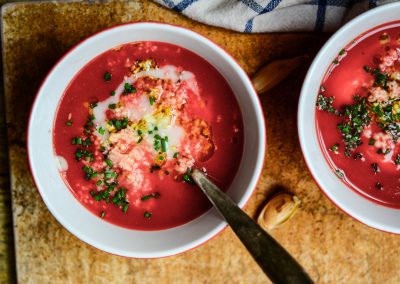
{"x":332,"y":247}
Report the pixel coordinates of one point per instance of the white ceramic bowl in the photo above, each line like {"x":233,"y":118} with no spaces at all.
{"x":366,"y":211}
{"x":91,"y":229}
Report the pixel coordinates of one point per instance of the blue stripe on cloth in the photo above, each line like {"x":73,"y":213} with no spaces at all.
{"x":249,"y":26}
{"x":337,"y":3}
{"x":270,"y":7}
{"x":253,"y":5}
{"x":183,"y":5}
{"x":319,"y":23}
{"x":169,"y":3}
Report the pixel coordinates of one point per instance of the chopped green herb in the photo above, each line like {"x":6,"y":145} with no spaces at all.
{"x":371,"y":141}
{"x":139,"y":132}
{"x":336,"y":61}
{"x":342,"y":52}
{"x":375,"y":168}
{"x":163,"y":145}
{"x":325,"y":104}
{"x":102,"y":214}
{"x":367,"y":69}
{"x":157,"y":137}
{"x":102,"y":149}
{"x":161,"y":158}
{"x":93,"y":105}
{"x":109,"y":163}
{"x":397,"y":161}
{"x":155,"y":195}
{"x":101,"y":130}
{"x":155,"y":168}
{"x":156,"y":128}
{"x":99,"y":182}
{"x":322,"y":88}
{"x":107,"y":76}
{"x":68,"y":123}
{"x":112,"y":93}
{"x":129,"y":89}
{"x":125,"y":207}
{"x":176,"y":155}
{"x":150,"y":131}
{"x":334,"y":148}
{"x":147,"y":215}
{"x":188,"y":179}
{"x":356,"y":117}
{"x":140,"y":140}
{"x":151,"y":100}
{"x":112,"y":106}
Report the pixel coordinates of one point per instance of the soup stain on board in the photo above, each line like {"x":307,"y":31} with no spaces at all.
{"x":331,"y":246}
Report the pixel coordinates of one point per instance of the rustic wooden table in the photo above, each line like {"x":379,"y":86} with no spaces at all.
{"x":332,"y":247}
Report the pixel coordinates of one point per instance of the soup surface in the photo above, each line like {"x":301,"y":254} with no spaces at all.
{"x":358,"y":114}
{"x":132,"y":125}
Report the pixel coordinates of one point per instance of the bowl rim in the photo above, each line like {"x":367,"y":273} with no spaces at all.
{"x":301,"y":124}
{"x":258,"y":165}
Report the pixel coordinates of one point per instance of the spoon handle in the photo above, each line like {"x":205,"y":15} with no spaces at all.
{"x":273,"y":259}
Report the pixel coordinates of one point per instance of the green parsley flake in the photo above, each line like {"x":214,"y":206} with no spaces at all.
{"x":107,"y":76}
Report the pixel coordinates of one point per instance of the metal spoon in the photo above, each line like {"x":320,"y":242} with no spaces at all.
{"x":273,"y":259}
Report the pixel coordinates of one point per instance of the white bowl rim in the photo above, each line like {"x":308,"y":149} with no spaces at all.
{"x":305,"y":143}
{"x":246,"y":194}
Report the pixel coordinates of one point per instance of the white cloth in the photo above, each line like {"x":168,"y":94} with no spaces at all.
{"x":273,"y":15}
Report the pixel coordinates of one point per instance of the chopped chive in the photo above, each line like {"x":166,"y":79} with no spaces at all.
{"x":161,"y":158}
{"x":176,"y":155}
{"x":156,"y":128}
{"x":147,"y":215}
{"x":334,"y":148}
{"x":107,"y":76}
{"x":109,"y":163}
{"x":140,"y":140}
{"x":367,"y":68}
{"x":101,"y":130}
{"x":125,"y":208}
{"x":68,"y":123}
{"x":139,"y":132}
{"x":102,"y":214}
{"x":150,"y":131}
{"x":163,"y":145}
{"x":335,"y":61}
{"x":151,"y":100}
{"x":93,"y":105}
{"x":166,"y":138}
{"x":157,"y":137}
{"x":102,"y":149}
{"x":112,"y":106}
{"x":155,"y":195}
{"x":112,"y":93}
{"x":187,"y":178}
{"x":375,"y":168}
{"x":99,"y":182}
{"x":371,"y":141}
{"x":342,"y":52}
{"x":397,"y":161}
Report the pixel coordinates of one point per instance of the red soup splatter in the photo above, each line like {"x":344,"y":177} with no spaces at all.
{"x":133,"y":124}
{"x":358,"y":115}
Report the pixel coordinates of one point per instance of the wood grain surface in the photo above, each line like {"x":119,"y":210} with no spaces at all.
{"x":332,"y":247}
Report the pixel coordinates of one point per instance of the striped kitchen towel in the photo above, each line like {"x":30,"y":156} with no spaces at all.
{"x":253,"y":16}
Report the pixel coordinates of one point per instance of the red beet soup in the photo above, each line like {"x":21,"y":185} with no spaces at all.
{"x":358,"y":115}
{"x":132,"y":125}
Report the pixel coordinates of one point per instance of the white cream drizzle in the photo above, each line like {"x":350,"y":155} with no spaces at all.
{"x":144,"y":109}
